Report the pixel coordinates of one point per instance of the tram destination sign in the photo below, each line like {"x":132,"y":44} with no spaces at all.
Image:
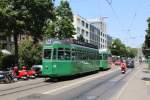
{"x":49,"y":41}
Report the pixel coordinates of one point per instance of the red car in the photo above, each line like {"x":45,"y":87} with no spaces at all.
{"x":118,"y":62}
{"x":31,"y":73}
{"x":22,"y":74}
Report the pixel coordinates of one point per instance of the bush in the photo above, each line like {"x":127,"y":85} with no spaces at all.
{"x":7,"y":61}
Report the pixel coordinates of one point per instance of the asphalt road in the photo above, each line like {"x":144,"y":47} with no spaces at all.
{"x":98,"y":86}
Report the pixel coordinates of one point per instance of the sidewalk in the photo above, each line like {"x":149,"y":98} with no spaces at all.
{"x":138,"y":86}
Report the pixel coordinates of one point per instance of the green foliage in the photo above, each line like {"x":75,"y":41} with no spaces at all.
{"x":147,"y":37}
{"x":24,"y":16}
{"x":81,"y":38}
{"x":131,"y":52}
{"x":62,"y":26}
{"x":119,"y":49}
{"x":0,"y":57}
{"x":39,"y":11}
{"x":7,"y":61}
{"x":30,"y":53}
{"x":0,"y":60}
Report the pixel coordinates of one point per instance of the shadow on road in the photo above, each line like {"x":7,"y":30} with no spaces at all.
{"x":146,"y":78}
{"x":60,"y":79}
{"x":146,"y":71}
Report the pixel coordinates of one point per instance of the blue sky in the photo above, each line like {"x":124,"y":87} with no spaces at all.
{"x":127,"y":23}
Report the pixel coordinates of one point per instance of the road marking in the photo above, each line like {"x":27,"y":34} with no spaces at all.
{"x":127,"y":83}
{"x":80,"y":82}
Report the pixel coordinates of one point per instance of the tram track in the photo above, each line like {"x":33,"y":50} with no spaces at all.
{"x":18,"y":87}
{"x":26,"y":87}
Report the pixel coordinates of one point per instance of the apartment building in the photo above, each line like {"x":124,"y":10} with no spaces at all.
{"x":109,"y":40}
{"x":101,"y":25}
{"x":82,"y":27}
{"x":93,"y":31}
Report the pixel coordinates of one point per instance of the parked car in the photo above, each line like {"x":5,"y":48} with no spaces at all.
{"x":38,"y":69}
{"x":6,"y":77}
{"x":130,"y":63}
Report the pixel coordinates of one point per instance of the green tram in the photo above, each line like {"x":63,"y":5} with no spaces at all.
{"x":69,"y":57}
{"x":105,"y":60}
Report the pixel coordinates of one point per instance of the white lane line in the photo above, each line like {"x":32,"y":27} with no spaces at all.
{"x":80,"y":82}
{"x":125,"y":86}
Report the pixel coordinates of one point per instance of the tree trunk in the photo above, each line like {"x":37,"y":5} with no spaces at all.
{"x":16,"y":47}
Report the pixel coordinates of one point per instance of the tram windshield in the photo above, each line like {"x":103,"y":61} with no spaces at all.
{"x":47,"y":53}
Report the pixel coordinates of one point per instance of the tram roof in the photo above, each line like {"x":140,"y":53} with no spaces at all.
{"x":68,"y":42}
{"x":104,"y":51}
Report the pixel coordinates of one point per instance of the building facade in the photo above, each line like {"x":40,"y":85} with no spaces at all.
{"x":93,"y":31}
{"x":101,"y":25}
{"x":82,"y":27}
{"x":109,"y":40}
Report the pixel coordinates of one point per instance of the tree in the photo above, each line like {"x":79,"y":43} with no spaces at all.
{"x":0,"y":57}
{"x":81,"y":38}
{"x":39,"y":11}
{"x":62,"y":26}
{"x":115,"y":48}
{"x":131,"y":52}
{"x":22,"y":16}
{"x":147,"y":37}
{"x":120,"y":49}
{"x":30,"y":53}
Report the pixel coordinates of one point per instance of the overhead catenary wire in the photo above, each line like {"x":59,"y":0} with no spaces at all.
{"x":114,"y":12}
{"x":135,"y":14}
{"x":131,"y":23}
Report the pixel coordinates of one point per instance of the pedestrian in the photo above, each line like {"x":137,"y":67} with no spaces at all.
{"x":15,"y":71}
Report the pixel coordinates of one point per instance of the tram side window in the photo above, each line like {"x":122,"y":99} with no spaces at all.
{"x":54,"y":54}
{"x":105,"y":56}
{"x":84,"y":55}
{"x":73,"y":56}
{"x":61,"y":54}
{"x":47,"y":53}
{"x":101,"y":57}
{"x":67,"y":54}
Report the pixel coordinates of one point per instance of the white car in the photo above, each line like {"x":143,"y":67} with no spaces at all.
{"x":38,"y":69}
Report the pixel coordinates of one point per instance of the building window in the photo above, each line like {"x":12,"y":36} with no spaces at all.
{"x":87,"y":41}
{"x":87,"y":25}
{"x":92,"y":29}
{"x":83,"y":23}
{"x":78,"y":20}
{"x":101,"y":33}
{"x":82,"y":32}
{"x":98,"y":32}
{"x":86,"y":33}
{"x":78,"y":30}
